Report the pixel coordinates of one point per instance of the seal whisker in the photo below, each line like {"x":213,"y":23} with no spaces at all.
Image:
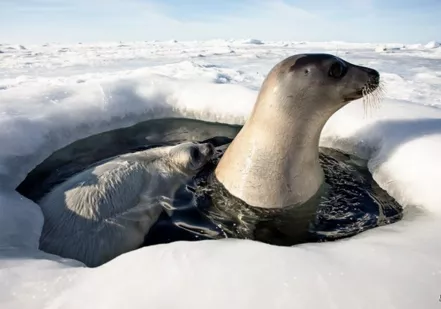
{"x":366,"y":100}
{"x":372,"y":98}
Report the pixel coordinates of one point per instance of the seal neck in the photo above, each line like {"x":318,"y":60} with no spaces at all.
{"x":274,"y":160}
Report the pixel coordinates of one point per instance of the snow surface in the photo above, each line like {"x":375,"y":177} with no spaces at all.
{"x":433,"y":44}
{"x":52,"y":95}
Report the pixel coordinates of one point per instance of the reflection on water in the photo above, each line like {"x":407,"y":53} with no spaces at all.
{"x":202,"y":209}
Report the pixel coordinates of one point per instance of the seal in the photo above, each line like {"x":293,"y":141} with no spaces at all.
{"x":274,"y":160}
{"x":107,"y":209}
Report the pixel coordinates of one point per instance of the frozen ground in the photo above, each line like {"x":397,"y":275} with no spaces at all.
{"x":52,"y":95}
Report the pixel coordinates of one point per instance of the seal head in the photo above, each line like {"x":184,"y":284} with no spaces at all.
{"x":274,"y":160}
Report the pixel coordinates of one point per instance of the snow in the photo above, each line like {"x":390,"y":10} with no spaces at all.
{"x":52,"y":95}
{"x":253,"y":41}
{"x":433,"y":44}
{"x":384,"y":48}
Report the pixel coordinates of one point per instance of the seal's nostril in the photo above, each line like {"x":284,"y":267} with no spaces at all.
{"x":374,"y":78}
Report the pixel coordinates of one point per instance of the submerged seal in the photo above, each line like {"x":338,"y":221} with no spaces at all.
{"x":107,"y":209}
{"x":274,"y":160}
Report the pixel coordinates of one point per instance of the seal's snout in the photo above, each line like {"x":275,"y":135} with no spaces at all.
{"x":374,"y":79}
{"x":365,"y":81}
{"x":373,"y":76}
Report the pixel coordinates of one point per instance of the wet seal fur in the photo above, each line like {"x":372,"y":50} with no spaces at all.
{"x":107,"y":209}
{"x":274,"y":160}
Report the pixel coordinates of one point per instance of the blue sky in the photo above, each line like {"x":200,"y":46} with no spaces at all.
{"x":38,"y":21}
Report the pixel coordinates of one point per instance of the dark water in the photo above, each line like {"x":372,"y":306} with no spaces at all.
{"x":352,"y":204}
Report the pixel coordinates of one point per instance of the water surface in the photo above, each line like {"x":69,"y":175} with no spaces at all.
{"x":352,"y":204}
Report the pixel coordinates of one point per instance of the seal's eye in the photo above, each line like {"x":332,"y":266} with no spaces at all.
{"x":195,"y":153}
{"x":337,"y":70}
